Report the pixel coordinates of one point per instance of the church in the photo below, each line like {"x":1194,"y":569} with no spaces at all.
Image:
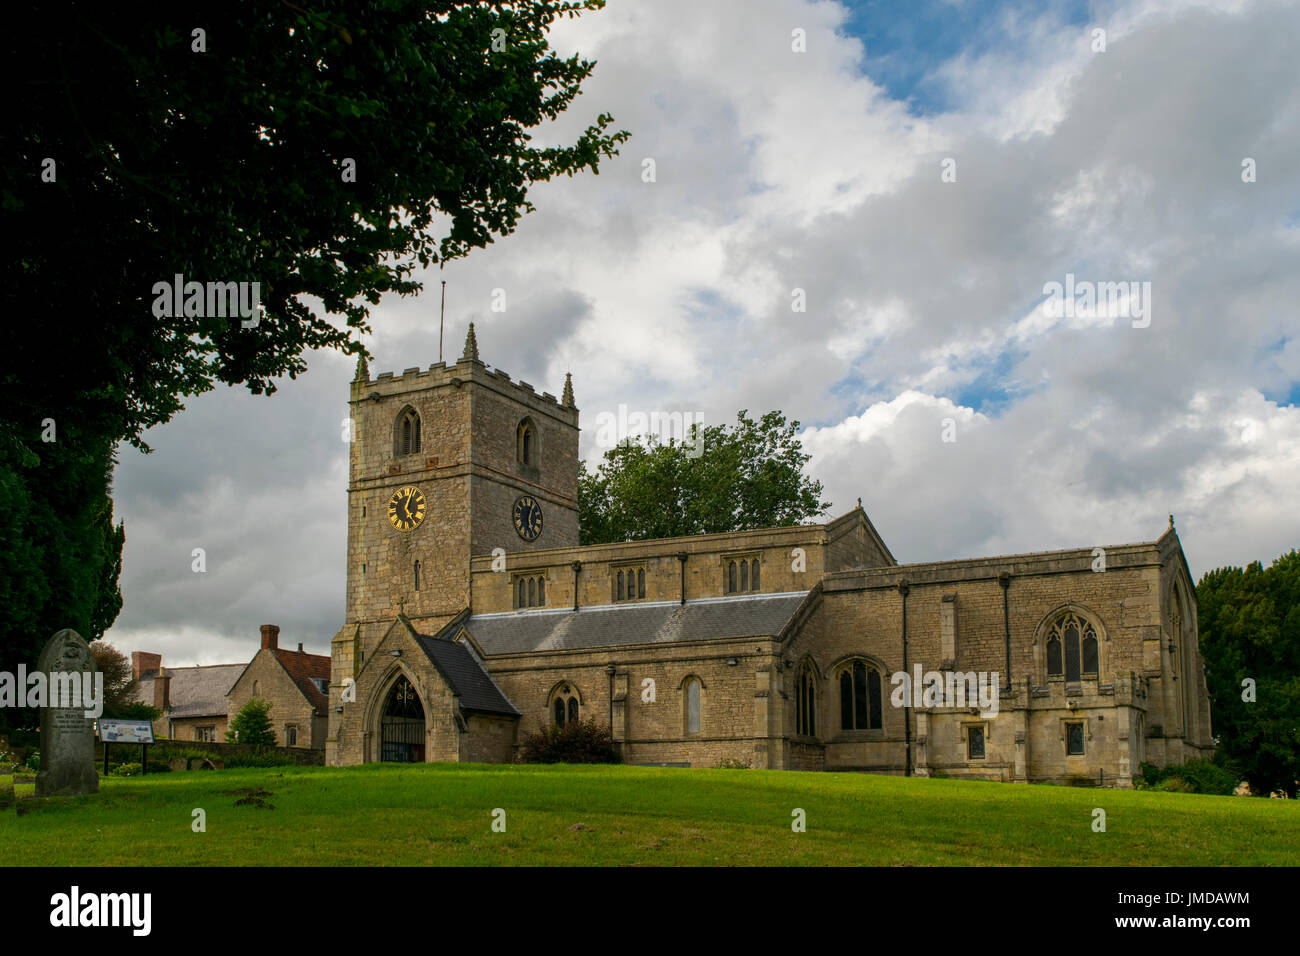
{"x":473,"y":618}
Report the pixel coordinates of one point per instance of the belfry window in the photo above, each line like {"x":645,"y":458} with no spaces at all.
{"x":1072,"y":648}
{"x":526,"y":443}
{"x":406,"y":436}
{"x":417,"y":575}
{"x":860,"y":697}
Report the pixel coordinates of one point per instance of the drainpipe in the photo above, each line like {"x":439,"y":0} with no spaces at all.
{"x":1004,"y":579}
{"x":577,"y":566}
{"x":903,"y":588}
{"x":681,"y":556}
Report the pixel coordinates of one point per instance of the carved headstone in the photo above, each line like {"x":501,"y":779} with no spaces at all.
{"x":67,"y":733}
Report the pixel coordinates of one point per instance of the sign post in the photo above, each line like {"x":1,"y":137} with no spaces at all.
{"x":126,"y":732}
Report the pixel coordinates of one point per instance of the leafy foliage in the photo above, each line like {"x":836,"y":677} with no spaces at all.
{"x":1195,"y":776}
{"x":119,"y":685}
{"x":578,"y":741}
{"x":252,"y":725}
{"x":749,"y":475}
{"x":1250,"y":629}
{"x":225,"y":164}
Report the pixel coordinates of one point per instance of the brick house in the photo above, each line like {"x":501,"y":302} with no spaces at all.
{"x":473,"y":615}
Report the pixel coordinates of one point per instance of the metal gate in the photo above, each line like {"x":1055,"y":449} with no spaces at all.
{"x":402,"y":726}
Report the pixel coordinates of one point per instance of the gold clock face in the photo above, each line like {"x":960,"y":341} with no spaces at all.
{"x":406,"y":508}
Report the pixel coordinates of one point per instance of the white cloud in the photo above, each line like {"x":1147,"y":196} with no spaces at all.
{"x":779,"y":170}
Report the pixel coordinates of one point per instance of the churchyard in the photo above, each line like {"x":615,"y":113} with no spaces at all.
{"x":477,"y":814}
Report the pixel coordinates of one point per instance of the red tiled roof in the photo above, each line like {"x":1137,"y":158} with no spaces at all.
{"x":302,"y":667}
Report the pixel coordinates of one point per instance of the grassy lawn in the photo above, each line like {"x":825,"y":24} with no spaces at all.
{"x":441,"y":814}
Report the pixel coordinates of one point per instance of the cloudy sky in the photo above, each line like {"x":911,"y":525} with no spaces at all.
{"x":916,"y":174}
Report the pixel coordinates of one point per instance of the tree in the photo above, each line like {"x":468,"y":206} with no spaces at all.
{"x":1250,"y":631}
{"x":323,"y":151}
{"x":252,"y":725}
{"x":749,"y":475}
{"x":119,"y":684}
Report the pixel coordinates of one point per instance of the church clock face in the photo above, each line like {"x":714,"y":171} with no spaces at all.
{"x":528,"y":517}
{"x":406,"y":508}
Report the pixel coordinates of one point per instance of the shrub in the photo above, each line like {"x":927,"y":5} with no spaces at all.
{"x":1174,"y":785}
{"x":34,"y":760}
{"x":1198,"y":776}
{"x":126,"y":770}
{"x":579,"y":741}
{"x":252,"y":725}
{"x":727,"y":763}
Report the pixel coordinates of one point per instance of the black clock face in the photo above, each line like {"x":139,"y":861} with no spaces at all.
{"x":406,"y":508}
{"x":528,"y":517}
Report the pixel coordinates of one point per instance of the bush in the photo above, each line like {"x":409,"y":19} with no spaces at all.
{"x":579,"y":741}
{"x":252,"y":725}
{"x":34,"y":760}
{"x":727,"y":763}
{"x":126,"y":770}
{"x":1195,"y":776}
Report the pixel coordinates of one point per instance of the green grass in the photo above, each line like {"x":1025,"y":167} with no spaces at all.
{"x":440,"y":814}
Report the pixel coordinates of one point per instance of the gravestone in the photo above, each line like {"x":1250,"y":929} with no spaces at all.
{"x":67,"y":734}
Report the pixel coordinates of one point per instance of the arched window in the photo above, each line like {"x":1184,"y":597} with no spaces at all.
{"x":526,"y":443}
{"x":541,"y":591}
{"x":620,"y":585}
{"x":565,"y":706}
{"x":522,"y":599}
{"x":744,"y":575}
{"x":731,"y":576}
{"x":640,"y":582}
{"x":753,"y":574}
{"x":1072,"y":649}
{"x":861,"y":701}
{"x":805,"y":703}
{"x":417,"y":575}
{"x":693,"y":706}
{"x":406,"y":435}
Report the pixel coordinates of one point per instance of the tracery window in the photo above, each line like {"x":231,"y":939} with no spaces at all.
{"x":1072,"y":649}
{"x":861,"y":705}
{"x":565,"y":706}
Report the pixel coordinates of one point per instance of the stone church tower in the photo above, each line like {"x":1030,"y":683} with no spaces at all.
{"x":446,"y":463}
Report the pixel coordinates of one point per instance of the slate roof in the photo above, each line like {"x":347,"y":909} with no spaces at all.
{"x":518,"y":632}
{"x":194,"y":691}
{"x":302,"y":667}
{"x":466,"y":676}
